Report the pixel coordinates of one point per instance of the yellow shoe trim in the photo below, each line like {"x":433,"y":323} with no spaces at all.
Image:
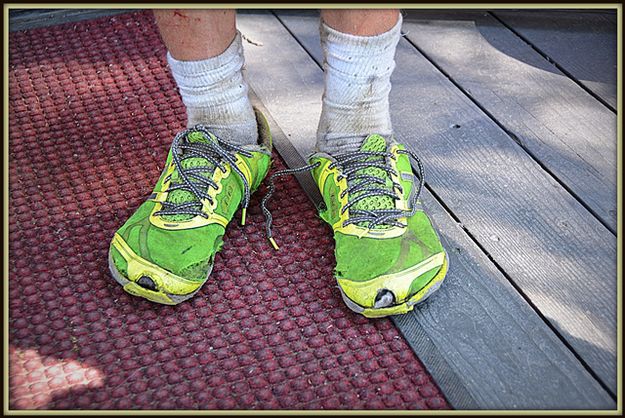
{"x":166,"y":282}
{"x":426,"y":289}
{"x":158,"y":297}
{"x":360,"y":232}
{"x":196,"y":221}
{"x":363,"y":293}
{"x":245,"y":169}
{"x":414,"y":300}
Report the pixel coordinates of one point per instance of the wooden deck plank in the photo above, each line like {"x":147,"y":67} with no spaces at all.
{"x":520,"y":215}
{"x":583,"y":44}
{"x":568,"y":130}
{"x":477,"y":311}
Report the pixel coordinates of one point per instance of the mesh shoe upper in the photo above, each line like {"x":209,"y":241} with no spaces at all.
{"x":389,"y":247}
{"x":182,"y":243}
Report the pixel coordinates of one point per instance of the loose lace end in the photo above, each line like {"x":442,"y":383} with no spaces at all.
{"x":243,"y":213}
{"x":273,"y":243}
{"x":271,"y":189}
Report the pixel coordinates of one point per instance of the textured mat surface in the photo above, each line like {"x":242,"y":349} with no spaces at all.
{"x":93,"y":110}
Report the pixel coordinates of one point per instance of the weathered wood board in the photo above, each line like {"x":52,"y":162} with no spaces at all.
{"x":478,"y":311}
{"x":583,"y":44}
{"x":522,"y":218}
{"x":571,"y":133}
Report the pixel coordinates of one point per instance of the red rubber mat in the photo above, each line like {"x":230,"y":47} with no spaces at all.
{"x":93,"y":110}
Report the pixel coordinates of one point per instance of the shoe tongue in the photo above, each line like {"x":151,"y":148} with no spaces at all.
{"x":184,"y":196}
{"x":375,"y":143}
{"x":197,"y":136}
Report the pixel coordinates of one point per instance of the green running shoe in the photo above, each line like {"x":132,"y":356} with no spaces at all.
{"x":388,"y":255}
{"x":165,"y":251}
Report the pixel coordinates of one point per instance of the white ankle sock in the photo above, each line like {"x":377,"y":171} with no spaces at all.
{"x":216,"y":95}
{"x":357,"y":85}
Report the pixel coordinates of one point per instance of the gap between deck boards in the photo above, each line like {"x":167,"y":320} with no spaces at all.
{"x":604,"y":91}
{"x":515,"y":138}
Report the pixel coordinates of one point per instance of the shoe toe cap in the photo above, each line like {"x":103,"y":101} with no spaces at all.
{"x":392,"y":289}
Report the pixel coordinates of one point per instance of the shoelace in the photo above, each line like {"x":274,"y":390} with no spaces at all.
{"x":348,"y":164}
{"x":218,"y":153}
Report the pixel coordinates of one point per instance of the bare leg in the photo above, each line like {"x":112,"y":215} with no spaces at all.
{"x":359,"y":21}
{"x":192,"y":35}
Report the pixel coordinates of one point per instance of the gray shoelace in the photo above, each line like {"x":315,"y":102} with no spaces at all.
{"x":271,"y":189}
{"x":217,"y":153}
{"x":359,"y":184}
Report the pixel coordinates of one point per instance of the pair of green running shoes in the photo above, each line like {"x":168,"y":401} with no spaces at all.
{"x":388,"y":255}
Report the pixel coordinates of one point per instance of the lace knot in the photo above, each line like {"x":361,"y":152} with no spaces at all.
{"x":194,"y":177}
